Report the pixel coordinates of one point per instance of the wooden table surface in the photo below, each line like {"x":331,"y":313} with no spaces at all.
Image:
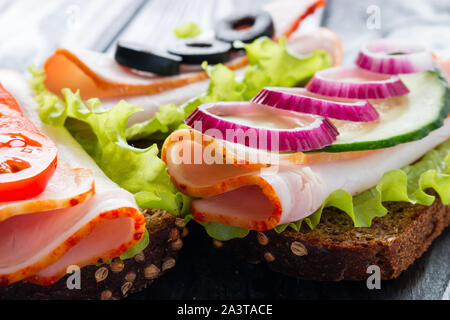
{"x":30,"y":30}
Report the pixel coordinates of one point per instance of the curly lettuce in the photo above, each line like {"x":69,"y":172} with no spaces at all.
{"x":270,"y":64}
{"x":168,"y":118}
{"x":102,"y":135}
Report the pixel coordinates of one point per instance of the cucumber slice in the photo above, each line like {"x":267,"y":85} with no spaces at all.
{"x":402,"y":119}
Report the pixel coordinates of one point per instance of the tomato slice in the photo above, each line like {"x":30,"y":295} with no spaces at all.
{"x":28,"y":159}
{"x":27,"y":162}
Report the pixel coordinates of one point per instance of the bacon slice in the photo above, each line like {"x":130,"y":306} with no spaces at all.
{"x":260,"y":197}
{"x":66,"y":188}
{"x":40,"y":246}
{"x":98,"y":75}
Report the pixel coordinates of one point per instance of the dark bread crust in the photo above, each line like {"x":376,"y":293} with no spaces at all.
{"x":336,"y":251}
{"x":165,"y":233}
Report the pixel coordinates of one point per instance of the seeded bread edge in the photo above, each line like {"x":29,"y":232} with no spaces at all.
{"x":119,"y":278}
{"x":329,"y":253}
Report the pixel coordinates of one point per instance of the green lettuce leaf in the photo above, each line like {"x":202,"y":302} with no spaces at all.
{"x":187,"y":30}
{"x":223,"y":232}
{"x":219,"y":231}
{"x":102,"y":135}
{"x":271,"y":64}
{"x":166,"y":120}
{"x":137,"y":248}
{"x":402,"y":185}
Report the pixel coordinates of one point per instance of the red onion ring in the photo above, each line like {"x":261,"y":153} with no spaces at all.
{"x":300,"y":100}
{"x":356,"y":83}
{"x":318,"y":133}
{"x":394,"y":56}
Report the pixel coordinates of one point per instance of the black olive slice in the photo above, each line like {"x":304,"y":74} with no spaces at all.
{"x":142,"y":58}
{"x":194,"y":51}
{"x":244,"y":27}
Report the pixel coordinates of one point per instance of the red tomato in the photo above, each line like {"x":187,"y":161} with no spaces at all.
{"x":27,"y":162}
{"x":28,"y":159}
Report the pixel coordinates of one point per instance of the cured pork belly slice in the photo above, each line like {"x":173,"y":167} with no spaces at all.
{"x":262,"y":197}
{"x":41,"y":245}
{"x":67,"y":187}
{"x":98,"y":75}
{"x":94,"y":231}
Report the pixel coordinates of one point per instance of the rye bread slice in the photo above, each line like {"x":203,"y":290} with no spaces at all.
{"x":120,"y":278}
{"x":336,"y":251}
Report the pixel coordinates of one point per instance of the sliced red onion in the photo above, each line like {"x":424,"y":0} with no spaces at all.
{"x":395,"y":56}
{"x":275,"y":130}
{"x":356,"y":83}
{"x":300,"y":100}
